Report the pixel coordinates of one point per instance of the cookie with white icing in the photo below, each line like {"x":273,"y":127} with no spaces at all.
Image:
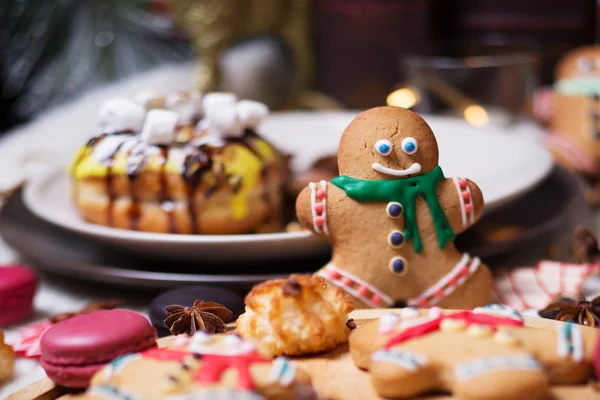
{"x":392,"y":216}
{"x":201,"y":367}
{"x":485,"y":353}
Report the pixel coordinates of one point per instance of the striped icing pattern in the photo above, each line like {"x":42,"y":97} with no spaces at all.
{"x":282,"y":371}
{"x":355,"y":286}
{"x":318,"y":207}
{"x":448,"y":284}
{"x":481,"y":366}
{"x":403,"y":358}
{"x":109,"y":393}
{"x":467,"y":208}
{"x":117,"y":365}
{"x":569,"y":341}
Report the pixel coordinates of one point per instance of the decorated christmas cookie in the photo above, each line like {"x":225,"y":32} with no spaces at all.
{"x":574,"y":118}
{"x":486,"y":353}
{"x":199,"y":367}
{"x":392,"y":217}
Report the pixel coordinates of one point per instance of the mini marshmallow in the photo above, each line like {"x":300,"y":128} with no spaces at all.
{"x":150,"y":99}
{"x":159,"y":127}
{"x":120,"y":114}
{"x":251,"y":113}
{"x":217,"y":100}
{"x":188,"y":104}
{"x":224,"y":121}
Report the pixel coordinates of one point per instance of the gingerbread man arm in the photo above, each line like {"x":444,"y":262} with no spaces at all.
{"x":313,"y":208}
{"x":462,"y":201}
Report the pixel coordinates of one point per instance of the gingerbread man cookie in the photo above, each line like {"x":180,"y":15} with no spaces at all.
{"x":486,"y":353}
{"x":392,"y":216}
{"x":575,"y":116}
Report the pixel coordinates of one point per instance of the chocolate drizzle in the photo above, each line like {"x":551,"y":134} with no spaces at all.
{"x":165,"y":203}
{"x":247,"y":140}
{"x":195,"y":164}
{"x":198,"y":161}
{"x":135,"y":162}
{"x":109,"y":183}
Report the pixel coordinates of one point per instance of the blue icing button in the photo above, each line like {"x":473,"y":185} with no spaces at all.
{"x":394,"y":209}
{"x":397,"y":265}
{"x":396,"y":239}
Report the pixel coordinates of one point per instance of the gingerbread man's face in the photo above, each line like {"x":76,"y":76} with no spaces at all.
{"x":580,"y":63}
{"x":387,"y":143}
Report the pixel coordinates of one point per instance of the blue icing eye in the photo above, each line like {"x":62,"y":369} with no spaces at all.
{"x":383,"y":147}
{"x":410,"y":145}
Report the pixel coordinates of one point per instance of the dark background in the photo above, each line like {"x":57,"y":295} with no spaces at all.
{"x":51,"y":51}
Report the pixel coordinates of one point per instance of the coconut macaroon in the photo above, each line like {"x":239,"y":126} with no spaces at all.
{"x":181,"y":163}
{"x":296,"y":316}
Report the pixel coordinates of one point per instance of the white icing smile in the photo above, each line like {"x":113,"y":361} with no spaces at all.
{"x":413,"y":169}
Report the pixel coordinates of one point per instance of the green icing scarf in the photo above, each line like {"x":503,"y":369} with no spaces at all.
{"x":582,"y":86}
{"x":404,"y":191}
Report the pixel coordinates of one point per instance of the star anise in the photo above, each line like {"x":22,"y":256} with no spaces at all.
{"x":93,"y":306}
{"x":580,"y":311}
{"x":585,"y":246}
{"x":204,"y":316}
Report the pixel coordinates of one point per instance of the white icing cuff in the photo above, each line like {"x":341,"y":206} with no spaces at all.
{"x":159,"y":127}
{"x":251,"y":113}
{"x":150,"y":99}
{"x":121,"y":114}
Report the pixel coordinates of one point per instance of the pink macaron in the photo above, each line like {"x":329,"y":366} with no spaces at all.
{"x":75,"y":349}
{"x":17,"y":288}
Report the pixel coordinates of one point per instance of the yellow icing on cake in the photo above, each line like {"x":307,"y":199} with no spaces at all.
{"x":239,"y":162}
{"x":265,"y":150}
{"x":249,"y":167}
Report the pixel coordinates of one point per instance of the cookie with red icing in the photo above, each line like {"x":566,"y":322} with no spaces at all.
{"x":392,"y":216}
{"x":484,"y":353}
{"x":198,"y":367}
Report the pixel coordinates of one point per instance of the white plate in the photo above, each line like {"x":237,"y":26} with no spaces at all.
{"x":504,"y":166}
{"x":47,"y":196}
{"x":504,"y":163}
